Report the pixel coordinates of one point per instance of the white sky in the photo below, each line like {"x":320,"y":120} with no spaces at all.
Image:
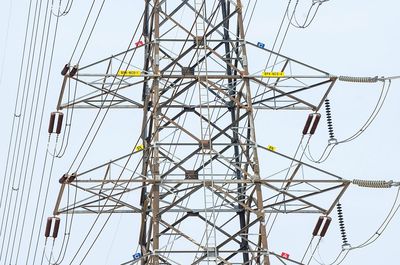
{"x":359,"y":38}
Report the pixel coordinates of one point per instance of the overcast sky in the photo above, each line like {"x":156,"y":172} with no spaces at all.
{"x":358,"y":38}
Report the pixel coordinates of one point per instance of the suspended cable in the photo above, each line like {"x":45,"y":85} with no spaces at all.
{"x":66,"y":10}
{"x":37,"y":84}
{"x":389,"y":217}
{"x":5,"y":42}
{"x":251,"y":15}
{"x":37,"y":138}
{"x":18,"y":138}
{"x":83,"y":29}
{"x":309,"y":18}
{"x":91,"y":31}
{"x":332,"y":143}
{"x":45,"y":160}
{"x":15,"y":116}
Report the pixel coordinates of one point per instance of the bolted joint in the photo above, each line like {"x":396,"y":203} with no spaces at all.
{"x":187,"y":70}
{"x":231,"y":105}
{"x":191,"y":174}
{"x":189,"y":108}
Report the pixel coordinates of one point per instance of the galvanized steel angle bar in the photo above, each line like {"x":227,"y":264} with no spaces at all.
{"x":288,"y":58}
{"x":226,"y":241}
{"x":216,"y":87}
{"x":174,"y":191}
{"x":222,"y":58}
{"x":300,"y":198}
{"x":106,"y":92}
{"x":165,"y":224}
{"x":326,"y":94}
{"x":213,"y":124}
{"x":169,"y":158}
{"x":177,"y":222}
{"x":174,"y":11}
{"x":338,"y":179}
{"x":245,"y":172}
{"x":228,"y":204}
{"x":161,"y":127}
{"x":102,"y":198}
{"x":290,"y":94}
{"x":187,"y":195}
{"x":168,"y":56}
{"x":177,"y":24}
{"x":281,"y":94}
{"x":176,"y":94}
{"x":193,"y":46}
{"x":199,"y":148}
{"x":187,"y":132}
{"x":214,"y":157}
{"x":235,"y":199}
{"x":200,"y":16}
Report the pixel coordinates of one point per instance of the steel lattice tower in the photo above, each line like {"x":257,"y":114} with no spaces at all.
{"x":203,"y":195}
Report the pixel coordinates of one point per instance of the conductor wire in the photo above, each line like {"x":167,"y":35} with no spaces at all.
{"x":332,"y":144}
{"x":381,"y":229}
{"x":83,"y":29}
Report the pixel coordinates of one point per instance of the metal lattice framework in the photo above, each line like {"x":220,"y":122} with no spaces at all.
{"x":199,"y":88}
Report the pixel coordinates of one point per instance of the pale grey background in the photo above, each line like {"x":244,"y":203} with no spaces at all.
{"x":357,"y":37}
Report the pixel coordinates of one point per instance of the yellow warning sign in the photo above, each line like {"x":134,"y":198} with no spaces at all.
{"x":271,"y":147}
{"x":272,"y":74}
{"x":139,"y":148}
{"x":129,"y":73}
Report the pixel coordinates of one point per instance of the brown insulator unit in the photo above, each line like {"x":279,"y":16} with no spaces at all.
{"x":318,"y":226}
{"x":73,"y":71}
{"x":48,"y":227}
{"x":71,"y":178}
{"x":65,"y":69}
{"x":59,"y":122}
{"x":51,"y":123}
{"x":326,"y":226}
{"x":307,"y":125}
{"x":63,"y":178}
{"x":56,"y":227}
{"x":315,"y":124}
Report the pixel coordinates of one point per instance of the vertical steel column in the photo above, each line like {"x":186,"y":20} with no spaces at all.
{"x":155,"y":170}
{"x":256,"y":167}
{"x":225,"y":9}
{"x":146,"y":132}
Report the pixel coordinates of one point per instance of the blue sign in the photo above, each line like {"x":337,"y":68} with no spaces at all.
{"x":137,"y":256}
{"x":261,"y":45}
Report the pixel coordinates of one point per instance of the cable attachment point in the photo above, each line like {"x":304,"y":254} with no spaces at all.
{"x":356,"y":79}
{"x":377,"y":184}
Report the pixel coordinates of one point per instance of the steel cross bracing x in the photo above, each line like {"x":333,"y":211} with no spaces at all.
{"x":211,"y":78}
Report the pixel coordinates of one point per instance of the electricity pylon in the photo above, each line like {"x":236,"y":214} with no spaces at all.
{"x":204,"y":195}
